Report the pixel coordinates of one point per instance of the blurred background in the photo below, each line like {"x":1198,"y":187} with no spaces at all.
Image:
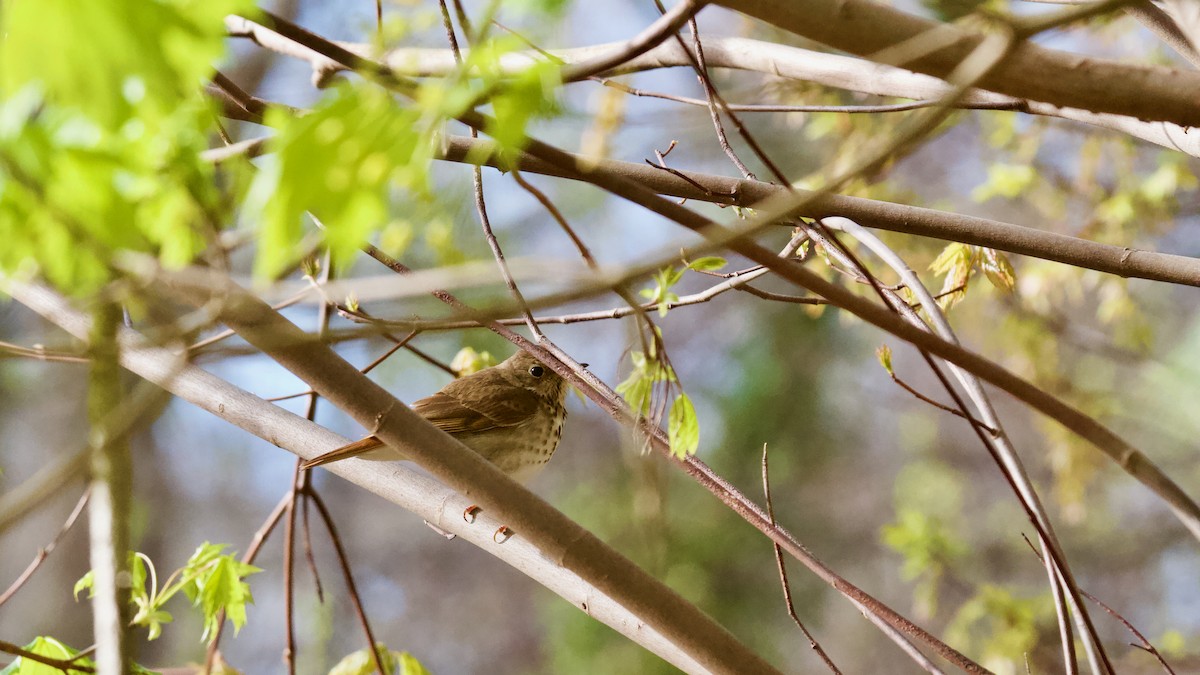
{"x":895,"y":495}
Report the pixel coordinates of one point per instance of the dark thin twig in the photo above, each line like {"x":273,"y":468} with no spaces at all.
{"x":344,"y":562}
{"x":684,"y":177}
{"x":463,"y":19}
{"x":783,"y":108}
{"x":309,"y":558}
{"x":228,"y":333}
{"x":783,"y":577}
{"x":302,"y":485}
{"x":46,"y":550}
{"x":556,"y":214}
{"x":289,"y":566}
{"x":780,"y":297}
{"x":710,"y":94}
{"x":940,"y":406}
{"x":368,"y":368}
{"x":644,"y":323}
{"x":481,"y":203}
{"x":1145,"y":645}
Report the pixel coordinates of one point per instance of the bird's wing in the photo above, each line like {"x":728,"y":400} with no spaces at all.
{"x":453,"y":415}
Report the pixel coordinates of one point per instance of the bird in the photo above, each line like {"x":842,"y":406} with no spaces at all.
{"x":512,"y":414}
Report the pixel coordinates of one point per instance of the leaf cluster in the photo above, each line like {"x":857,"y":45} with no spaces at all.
{"x":214,"y":582}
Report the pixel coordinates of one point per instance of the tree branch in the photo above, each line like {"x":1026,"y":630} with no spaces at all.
{"x":620,"y":595}
{"x":865,"y":27}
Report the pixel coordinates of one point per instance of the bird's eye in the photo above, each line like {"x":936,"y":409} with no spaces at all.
{"x":536,"y":371}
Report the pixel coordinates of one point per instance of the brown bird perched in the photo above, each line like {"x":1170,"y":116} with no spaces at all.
{"x":511,"y":413}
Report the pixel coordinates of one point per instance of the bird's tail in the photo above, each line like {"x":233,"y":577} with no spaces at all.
{"x":355,"y":449}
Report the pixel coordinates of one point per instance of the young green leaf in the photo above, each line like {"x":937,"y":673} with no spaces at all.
{"x":86,"y":582}
{"x":955,"y":261}
{"x":998,"y":269}
{"x":468,"y":361}
{"x":340,"y":162}
{"x":683,"y":429}
{"x":214,"y":582}
{"x":884,"y":354}
{"x":706,"y":264}
{"x":361,"y":663}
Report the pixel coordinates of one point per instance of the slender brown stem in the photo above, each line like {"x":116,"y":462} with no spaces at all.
{"x":783,"y":578}
{"x":46,"y":550}
{"x":344,"y":562}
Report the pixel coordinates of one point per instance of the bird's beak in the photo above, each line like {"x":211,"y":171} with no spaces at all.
{"x":584,"y":365}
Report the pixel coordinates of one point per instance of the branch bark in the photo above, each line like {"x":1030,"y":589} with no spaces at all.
{"x":786,"y":61}
{"x":1121,"y":261}
{"x":111,"y":486}
{"x":864,"y":27}
{"x":548,"y":547}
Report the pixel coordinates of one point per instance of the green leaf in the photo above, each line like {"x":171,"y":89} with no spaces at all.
{"x":997,"y":624}
{"x":54,"y":649}
{"x":340,"y":162}
{"x":468,"y":361}
{"x":660,"y":294}
{"x":706,"y":264}
{"x":215,"y":583}
{"x":683,"y":429}
{"x":115,"y":60}
{"x":638,"y":388}
{"x":997,"y":268}
{"x":43,"y":646}
{"x":955,"y":261}
{"x":924,"y":541}
{"x":884,"y":354}
{"x":361,"y":663}
{"x":85,"y":583}
{"x":521,"y":99}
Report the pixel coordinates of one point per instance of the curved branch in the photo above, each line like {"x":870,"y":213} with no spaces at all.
{"x":550,"y":548}
{"x":865,"y":27}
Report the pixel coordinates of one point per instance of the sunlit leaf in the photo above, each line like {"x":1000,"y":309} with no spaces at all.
{"x":361,"y":663}
{"x":998,"y":269}
{"x":884,"y":354}
{"x":683,"y":429}
{"x":468,"y":361}
{"x":216,"y":583}
{"x":706,"y":264}
{"x":337,"y":163}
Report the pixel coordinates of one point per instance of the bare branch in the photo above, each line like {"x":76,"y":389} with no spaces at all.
{"x":637,"y":606}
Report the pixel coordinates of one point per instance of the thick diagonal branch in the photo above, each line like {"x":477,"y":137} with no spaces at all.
{"x":549,"y":548}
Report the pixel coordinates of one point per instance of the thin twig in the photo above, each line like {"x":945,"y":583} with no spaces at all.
{"x":40,"y":353}
{"x":940,"y":406}
{"x":344,"y":562}
{"x":368,"y":368}
{"x":783,"y":578}
{"x":46,"y":550}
